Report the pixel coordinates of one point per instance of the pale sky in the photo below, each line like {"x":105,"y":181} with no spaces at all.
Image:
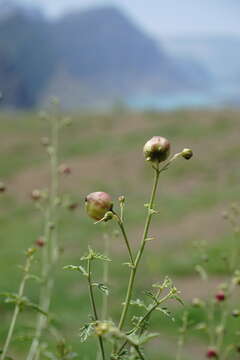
{"x":164,"y":17}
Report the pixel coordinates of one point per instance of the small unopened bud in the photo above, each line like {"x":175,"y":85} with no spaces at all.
{"x":98,"y":204}
{"x":102,"y":328}
{"x":235,"y":313}
{"x":30,"y":251}
{"x":212,"y":353}
{"x":220,"y":296}
{"x":196,"y":302}
{"x":121,"y":199}
{"x":73,"y":206}
{"x":36,"y":194}
{"x":64,"y":169}
{"x":157,"y":149}
{"x":2,"y":187}
{"x":187,"y":154}
{"x":45,"y":141}
{"x":40,"y":242}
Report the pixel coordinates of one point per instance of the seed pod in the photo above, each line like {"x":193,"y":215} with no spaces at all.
{"x":187,"y":154}
{"x":212,"y":354}
{"x":98,"y":204}
{"x":157,"y":149}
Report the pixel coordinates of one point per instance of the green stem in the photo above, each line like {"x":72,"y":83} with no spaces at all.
{"x":140,"y":252}
{"x":148,"y":313}
{"x":182,"y":336}
{"x":105,"y":277}
{"x":17,"y":307}
{"x":120,"y":223}
{"x":51,"y":252}
{"x":139,"y":352}
{"x":94,"y":309}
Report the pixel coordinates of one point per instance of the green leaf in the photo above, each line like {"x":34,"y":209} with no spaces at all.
{"x":92,"y":255}
{"x":76,"y":268}
{"x":85,"y":331}
{"x":103,"y":288}
{"x":139,"y":303}
{"x":35,"y":277}
{"x":176,"y":297}
{"x":166,"y":312}
{"x":147,"y":337}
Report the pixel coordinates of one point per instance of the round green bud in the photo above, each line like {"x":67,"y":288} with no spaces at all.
{"x":187,"y":154}
{"x":98,"y":204}
{"x":157,"y":149}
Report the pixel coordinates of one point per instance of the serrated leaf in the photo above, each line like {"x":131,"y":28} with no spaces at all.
{"x":36,"y":308}
{"x":166,"y":312}
{"x":76,"y":268}
{"x":92,"y":255}
{"x":35,"y":277}
{"x":102,"y":287}
{"x":85,"y":331}
{"x":147,"y":337}
{"x":150,"y":238}
{"x":139,"y":303}
{"x":176,"y":297}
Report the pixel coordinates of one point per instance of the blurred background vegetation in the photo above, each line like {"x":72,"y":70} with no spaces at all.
{"x":105,"y":153}
{"x":124,"y":71}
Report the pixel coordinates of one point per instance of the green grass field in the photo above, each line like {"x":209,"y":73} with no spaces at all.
{"x":105,"y":154}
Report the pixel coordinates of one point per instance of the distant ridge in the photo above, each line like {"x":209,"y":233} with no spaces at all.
{"x":91,"y":58}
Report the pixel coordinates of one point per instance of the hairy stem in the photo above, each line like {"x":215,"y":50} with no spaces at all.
{"x":17,"y":307}
{"x":120,"y":223}
{"x":94,"y":309}
{"x":141,"y":250}
{"x":50,"y":252}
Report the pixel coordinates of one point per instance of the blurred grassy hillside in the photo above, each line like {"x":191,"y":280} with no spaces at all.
{"x":105,"y":154}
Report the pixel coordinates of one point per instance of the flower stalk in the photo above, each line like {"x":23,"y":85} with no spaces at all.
{"x":17,"y":308}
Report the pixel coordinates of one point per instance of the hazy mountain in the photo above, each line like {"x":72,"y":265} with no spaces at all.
{"x":219,"y":54}
{"x":89,"y":57}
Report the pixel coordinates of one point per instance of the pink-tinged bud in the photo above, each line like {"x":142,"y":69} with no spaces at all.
{"x":220,"y":296}
{"x":187,"y":154}
{"x":212,"y":354}
{"x":36,"y":194}
{"x":40,"y":242}
{"x":157,"y":149}
{"x":98,"y":204}
{"x":64,"y":169}
{"x":2,"y":187}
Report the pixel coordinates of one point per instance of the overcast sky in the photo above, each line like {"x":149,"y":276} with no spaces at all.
{"x":165,"y":17}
